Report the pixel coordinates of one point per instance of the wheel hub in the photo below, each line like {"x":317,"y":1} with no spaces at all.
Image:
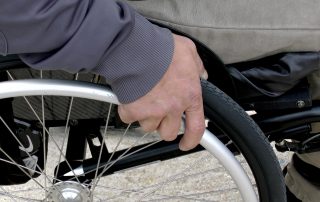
{"x":69,"y":191}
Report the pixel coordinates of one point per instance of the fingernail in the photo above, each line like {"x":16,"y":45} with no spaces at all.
{"x":183,"y":147}
{"x":204,"y":75}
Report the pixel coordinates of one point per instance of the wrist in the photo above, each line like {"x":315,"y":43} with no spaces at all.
{"x":139,"y":62}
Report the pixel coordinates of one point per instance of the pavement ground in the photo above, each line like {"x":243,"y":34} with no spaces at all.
{"x":208,"y":182}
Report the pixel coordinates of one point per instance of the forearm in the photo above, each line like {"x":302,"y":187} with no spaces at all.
{"x":104,"y":37}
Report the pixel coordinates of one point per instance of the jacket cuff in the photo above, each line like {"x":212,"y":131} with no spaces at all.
{"x":139,"y":62}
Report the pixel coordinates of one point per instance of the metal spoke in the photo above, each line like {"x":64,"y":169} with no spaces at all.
{"x":49,"y":134}
{"x":6,"y":193}
{"x":21,"y":168}
{"x":176,"y":177}
{"x":103,"y":140}
{"x":25,"y":190}
{"x":164,"y":196}
{"x":196,"y":196}
{"x":19,"y":142}
{"x":216,"y":191}
{"x":38,"y":172}
{"x":19,"y":198}
{"x":43,"y":136}
{"x":119,"y":142}
{"x":122,"y":156}
{"x":115,"y":149}
{"x":172,"y":178}
{"x":158,"y":190}
{"x":66,"y":132}
{"x":13,"y":197}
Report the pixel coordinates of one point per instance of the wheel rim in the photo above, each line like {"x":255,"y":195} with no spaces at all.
{"x":98,"y":94}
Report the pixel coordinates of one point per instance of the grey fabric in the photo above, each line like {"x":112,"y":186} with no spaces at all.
{"x":275,"y":75}
{"x":101,"y":36}
{"x":303,"y":189}
{"x":314,"y":81}
{"x":244,"y":29}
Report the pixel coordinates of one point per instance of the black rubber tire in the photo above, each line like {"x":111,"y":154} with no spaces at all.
{"x":249,"y":140}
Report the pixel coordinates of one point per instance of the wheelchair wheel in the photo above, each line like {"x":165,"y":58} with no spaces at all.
{"x":87,"y":154}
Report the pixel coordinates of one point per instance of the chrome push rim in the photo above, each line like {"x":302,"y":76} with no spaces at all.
{"x":44,"y":87}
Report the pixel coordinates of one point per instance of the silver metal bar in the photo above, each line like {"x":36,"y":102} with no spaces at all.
{"x":29,"y":87}
{"x":212,"y":144}
{"x":101,"y":93}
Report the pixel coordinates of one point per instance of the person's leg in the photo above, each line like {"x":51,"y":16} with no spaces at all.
{"x":301,"y":177}
{"x":303,"y":173}
{"x":244,"y":29}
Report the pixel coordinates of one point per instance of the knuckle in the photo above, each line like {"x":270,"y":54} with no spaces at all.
{"x":124,"y":114}
{"x":199,"y":128}
{"x":170,"y":133}
{"x":121,"y":113}
{"x":197,"y":125}
{"x":158,"y":113}
{"x":165,"y":134}
{"x":201,"y":65}
{"x":146,"y":128}
{"x":176,"y":107}
{"x":168,"y":137}
{"x":187,"y":42}
{"x":195,"y":97}
{"x":190,"y":43}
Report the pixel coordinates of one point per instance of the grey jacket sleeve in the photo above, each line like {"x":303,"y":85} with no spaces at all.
{"x":106,"y":37}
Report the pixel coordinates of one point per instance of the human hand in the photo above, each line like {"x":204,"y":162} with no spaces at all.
{"x":178,"y":92}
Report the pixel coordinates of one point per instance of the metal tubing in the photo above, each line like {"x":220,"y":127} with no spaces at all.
{"x":93,"y":91}
{"x":212,"y":144}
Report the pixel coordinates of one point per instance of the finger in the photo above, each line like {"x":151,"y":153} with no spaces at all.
{"x":130,"y":113}
{"x":195,"y":125}
{"x":125,"y":114}
{"x":202,"y":71}
{"x":169,"y":127}
{"x":199,"y":64}
{"x":204,"y":75}
{"x":150,"y":125}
